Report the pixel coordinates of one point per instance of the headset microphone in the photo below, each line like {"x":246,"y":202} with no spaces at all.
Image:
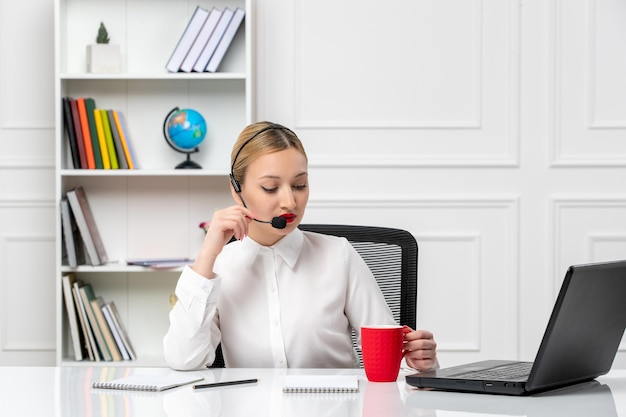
{"x":276,"y":222}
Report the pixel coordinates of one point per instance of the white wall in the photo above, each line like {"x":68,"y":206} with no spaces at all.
{"x":492,"y":130}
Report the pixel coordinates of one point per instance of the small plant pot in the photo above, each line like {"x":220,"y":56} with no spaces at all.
{"x":103,"y":58}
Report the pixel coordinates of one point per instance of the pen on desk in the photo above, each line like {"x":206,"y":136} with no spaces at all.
{"x":225,"y":383}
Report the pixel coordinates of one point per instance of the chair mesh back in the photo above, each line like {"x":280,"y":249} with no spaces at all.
{"x":391,"y":255}
{"x":385,"y":262}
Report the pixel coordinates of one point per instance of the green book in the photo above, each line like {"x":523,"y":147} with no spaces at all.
{"x":90,"y":105}
{"x":106,"y":125}
{"x":87,"y":294}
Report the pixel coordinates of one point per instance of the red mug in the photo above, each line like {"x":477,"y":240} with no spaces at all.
{"x":382,"y":347}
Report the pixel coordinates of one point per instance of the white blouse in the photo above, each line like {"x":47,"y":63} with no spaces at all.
{"x":290,"y":305}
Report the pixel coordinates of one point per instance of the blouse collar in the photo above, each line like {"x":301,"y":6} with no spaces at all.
{"x":288,"y":248}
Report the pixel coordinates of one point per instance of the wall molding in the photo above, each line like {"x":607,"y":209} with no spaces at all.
{"x":580,"y":159}
{"x":16,"y":345}
{"x":557,"y":205}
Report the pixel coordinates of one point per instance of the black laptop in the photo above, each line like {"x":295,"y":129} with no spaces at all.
{"x":579,"y":344}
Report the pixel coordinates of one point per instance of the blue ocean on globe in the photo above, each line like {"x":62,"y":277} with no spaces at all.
{"x":186,"y":129}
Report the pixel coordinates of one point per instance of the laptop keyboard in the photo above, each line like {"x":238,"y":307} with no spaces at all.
{"x":512,"y":371}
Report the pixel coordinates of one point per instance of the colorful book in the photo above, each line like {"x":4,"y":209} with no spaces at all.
{"x":227,"y":39}
{"x":121,"y":338}
{"x":69,"y":130}
{"x":102,"y":141}
{"x":84,"y":125}
{"x":201,"y":40}
{"x":119,"y":148}
{"x":188,"y":37}
{"x":78,"y":134}
{"x":90,"y":105}
{"x":106,"y":126}
{"x":214,"y":40}
{"x":87,"y":294}
{"x":124,"y":139}
{"x":90,"y":341}
{"x":96,"y":305}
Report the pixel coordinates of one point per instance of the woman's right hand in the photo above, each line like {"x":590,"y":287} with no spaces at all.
{"x":225,"y":223}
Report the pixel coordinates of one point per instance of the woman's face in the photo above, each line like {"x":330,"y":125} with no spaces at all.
{"x":276,"y":184}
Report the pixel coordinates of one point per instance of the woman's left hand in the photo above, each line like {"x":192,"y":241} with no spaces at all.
{"x":420,"y":349}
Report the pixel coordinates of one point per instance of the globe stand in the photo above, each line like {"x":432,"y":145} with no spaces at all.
{"x":187,"y":163}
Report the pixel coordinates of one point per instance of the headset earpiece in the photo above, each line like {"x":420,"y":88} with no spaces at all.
{"x":235,"y":183}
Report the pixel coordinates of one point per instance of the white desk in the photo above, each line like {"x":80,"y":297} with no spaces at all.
{"x":66,"y":392}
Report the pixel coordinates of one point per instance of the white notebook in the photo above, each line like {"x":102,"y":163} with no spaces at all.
{"x":321,"y":383}
{"x":149,"y":382}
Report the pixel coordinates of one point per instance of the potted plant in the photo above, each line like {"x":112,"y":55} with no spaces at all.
{"x":103,"y":56}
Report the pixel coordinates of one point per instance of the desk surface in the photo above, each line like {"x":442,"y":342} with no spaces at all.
{"x":66,"y":391}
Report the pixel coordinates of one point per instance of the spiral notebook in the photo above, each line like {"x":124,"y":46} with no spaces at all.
{"x":321,"y":384}
{"x":149,"y":382}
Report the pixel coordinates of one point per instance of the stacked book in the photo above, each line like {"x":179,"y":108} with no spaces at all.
{"x":98,"y":138}
{"x":97,"y":331}
{"x":81,"y":239}
{"x":206,"y":39}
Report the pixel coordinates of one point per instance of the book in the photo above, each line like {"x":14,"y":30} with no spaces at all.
{"x":119,"y":148}
{"x":87,"y":294}
{"x":102,"y":141}
{"x":150,"y":382}
{"x":320,"y":384}
{"x":72,"y":315}
{"x":190,"y":34}
{"x":106,"y":127}
{"x":78,"y":134}
{"x":227,"y":38}
{"x":87,"y":226}
{"x":214,"y":40}
{"x":125,"y":137}
{"x":69,"y":130}
{"x":68,"y":235}
{"x":105,"y":329}
{"x":160,"y":263}
{"x":119,"y":332}
{"x":90,"y":106}
{"x":84,"y":126}
{"x":89,"y":339}
{"x":201,"y":40}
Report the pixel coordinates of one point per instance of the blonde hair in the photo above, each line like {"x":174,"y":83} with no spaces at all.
{"x":259,"y":139}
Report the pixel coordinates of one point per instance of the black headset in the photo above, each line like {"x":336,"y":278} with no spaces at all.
{"x":272,"y":126}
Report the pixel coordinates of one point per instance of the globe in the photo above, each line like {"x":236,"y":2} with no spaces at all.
{"x":184,"y":131}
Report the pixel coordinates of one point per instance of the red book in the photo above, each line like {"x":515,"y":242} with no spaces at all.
{"x":84,"y":125}
{"x":80,"y":144}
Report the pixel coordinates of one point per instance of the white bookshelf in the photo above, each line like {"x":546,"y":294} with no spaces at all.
{"x":153,"y":211}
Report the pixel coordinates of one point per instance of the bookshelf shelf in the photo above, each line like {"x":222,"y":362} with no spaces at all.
{"x":116,"y":268}
{"x":152,"y":211}
{"x":157,"y":76}
{"x":145,"y":173}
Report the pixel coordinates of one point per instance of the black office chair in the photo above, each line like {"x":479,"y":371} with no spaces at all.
{"x":391,"y":255}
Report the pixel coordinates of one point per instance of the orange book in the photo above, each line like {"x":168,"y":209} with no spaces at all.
{"x":84,"y":124}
